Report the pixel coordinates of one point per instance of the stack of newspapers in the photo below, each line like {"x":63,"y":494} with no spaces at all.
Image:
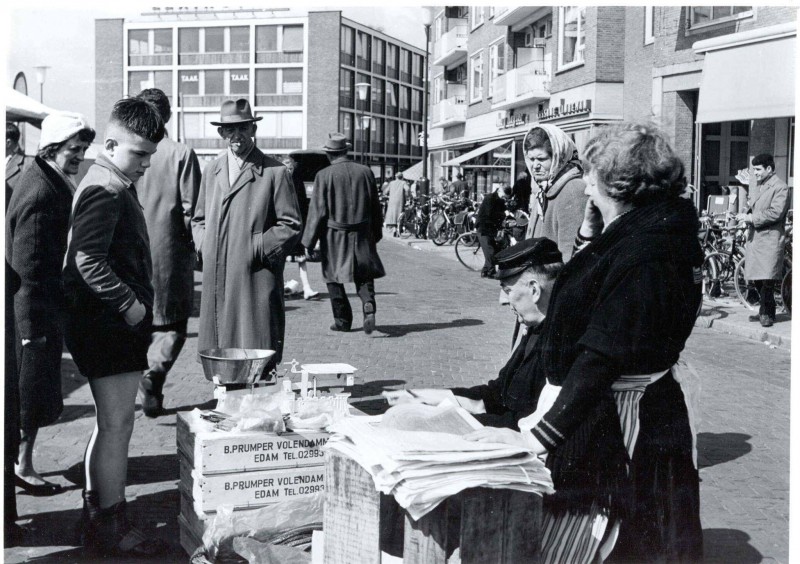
{"x":417,"y":454}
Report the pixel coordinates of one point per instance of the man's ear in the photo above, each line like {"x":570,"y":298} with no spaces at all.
{"x":535,"y":288}
{"x":219,"y":131}
{"x":110,"y":144}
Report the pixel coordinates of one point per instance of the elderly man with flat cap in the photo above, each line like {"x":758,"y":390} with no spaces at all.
{"x":345,"y":217}
{"x":526,"y":272}
{"x":246,"y":221}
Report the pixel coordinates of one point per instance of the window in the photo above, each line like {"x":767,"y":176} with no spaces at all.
{"x":438,"y":28}
{"x":378,"y":95}
{"x":239,"y":81}
{"x":391,"y":94}
{"x":348,"y":41}
{"x":266,"y":38}
{"x":476,"y":17}
{"x":292,"y":81}
{"x":476,"y":77}
{"x":138,"y":81}
{"x":240,"y":39}
{"x":378,"y":46}
{"x":391,"y":56}
{"x":706,"y":15}
{"x":137,"y":42}
{"x":163,"y":81}
{"x":162,"y":41}
{"x":491,"y":12}
{"x":189,"y":40}
{"x":293,"y":38}
{"x":497,"y":63}
{"x":346,"y":125}
{"x":192,"y":125}
{"x":189,"y":82}
{"x":572,"y":35}
{"x":266,"y":81}
{"x":438,"y":89}
{"x":214,"y":82}
{"x":215,"y":40}
{"x":362,"y":45}
{"x":649,"y":25}
{"x":346,"y":88}
{"x":280,"y":124}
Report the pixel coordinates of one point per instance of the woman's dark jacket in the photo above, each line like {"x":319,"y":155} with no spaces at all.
{"x":625,"y":304}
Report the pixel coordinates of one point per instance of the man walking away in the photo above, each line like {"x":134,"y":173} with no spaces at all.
{"x":766,"y":216}
{"x":168,"y":194}
{"x":345,"y":216}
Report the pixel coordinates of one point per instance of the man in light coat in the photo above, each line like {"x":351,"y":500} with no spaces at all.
{"x":168,"y":194}
{"x":768,"y":205}
{"x":246,"y":221}
{"x":345,"y":216}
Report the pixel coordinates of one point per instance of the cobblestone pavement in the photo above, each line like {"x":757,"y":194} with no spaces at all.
{"x":440,"y":325}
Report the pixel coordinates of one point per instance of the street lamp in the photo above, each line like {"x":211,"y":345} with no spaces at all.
{"x":427,"y":20}
{"x":362,"y":89}
{"x":41,"y":74}
{"x":365,"y":122}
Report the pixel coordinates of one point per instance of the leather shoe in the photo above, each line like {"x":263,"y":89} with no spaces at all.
{"x":339,"y":328}
{"x":369,"y":319}
{"x":766,"y":320}
{"x":754,"y":318}
{"x":152,"y":401}
{"x":38,"y":490}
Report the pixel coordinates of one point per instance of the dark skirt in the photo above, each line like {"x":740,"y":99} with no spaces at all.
{"x":103,"y":344}
{"x":40,"y":398}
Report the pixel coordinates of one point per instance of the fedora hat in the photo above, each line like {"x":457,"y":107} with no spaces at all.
{"x":337,"y":142}
{"x":235,"y":111}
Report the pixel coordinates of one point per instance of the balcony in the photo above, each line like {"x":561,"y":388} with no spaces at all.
{"x":402,"y":149}
{"x":204,"y":100}
{"x":363,"y":63}
{"x":150,"y":60}
{"x":416,"y":151}
{"x":377,"y":107}
{"x":513,"y":16}
{"x":236,"y":58}
{"x":524,"y":85}
{"x":279,"y":99}
{"x":391,"y":71}
{"x":451,"y":48}
{"x":405,"y":77}
{"x":346,"y":100}
{"x":416,"y":80}
{"x":391,"y":148}
{"x":378,"y":68}
{"x":279,"y":57}
{"x":405,"y":113}
{"x":348,"y":59}
{"x":391,"y":110}
{"x":449,"y":112}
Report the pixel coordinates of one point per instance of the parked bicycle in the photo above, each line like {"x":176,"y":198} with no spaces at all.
{"x":414,"y":219}
{"x":448,"y":219}
{"x":468,"y":249}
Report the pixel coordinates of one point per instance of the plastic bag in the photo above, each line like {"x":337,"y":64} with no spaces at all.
{"x":266,"y":553}
{"x":262,"y":524}
{"x":259,"y":413}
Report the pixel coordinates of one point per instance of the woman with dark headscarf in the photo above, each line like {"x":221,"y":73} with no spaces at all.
{"x":616,"y":416}
{"x":557,"y":200}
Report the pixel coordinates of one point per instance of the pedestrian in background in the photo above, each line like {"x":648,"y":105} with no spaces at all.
{"x":299,"y":253}
{"x":490,"y":217}
{"x":557,"y":199}
{"x":397,"y":201}
{"x":345,"y":216}
{"x":768,"y":204}
{"x":521,"y":191}
{"x":459,"y":187}
{"x":15,"y":159}
{"x":37,"y":223}
{"x":168,"y":193}
{"x":247,"y":220}
{"x":108,"y":283}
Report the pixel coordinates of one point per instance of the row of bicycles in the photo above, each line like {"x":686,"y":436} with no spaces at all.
{"x":723,"y":241}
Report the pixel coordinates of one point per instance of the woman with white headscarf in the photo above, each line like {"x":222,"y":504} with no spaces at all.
{"x":557,"y":199}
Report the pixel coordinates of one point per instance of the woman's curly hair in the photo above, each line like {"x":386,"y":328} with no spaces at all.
{"x":635,"y":162}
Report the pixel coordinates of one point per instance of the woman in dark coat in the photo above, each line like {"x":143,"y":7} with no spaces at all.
{"x":618,"y":429}
{"x":37,"y":223}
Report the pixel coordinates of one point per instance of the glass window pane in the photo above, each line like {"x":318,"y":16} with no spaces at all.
{"x":711,"y":158}
{"x":162,"y":39}
{"x":268,"y":127}
{"x":291,"y":124}
{"x":210,"y":131}
{"x":192,"y":125}
{"x":189,"y":40}
{"x":267,"y":38}
{"x":240,"y":39}
{"x":581,"y":33}
{"x":347,"y":40}
{"x":266,"y":81}
{"x":189,"y":82}
{"x":701,"y":14}
{"x":214,"y":82}
{"x":138,"y":81}
{"x":163,"y":81}
{"x":240,"y":81}
{"x":377,"y":51}
{"x":741,"y":9}
{"x":738,"y":156}
{"x":377,"y":90}
{"x":569,"y":35}
{"x":293,"y":38}
{"x":391,"y":94}
{"x":719,"y":12}
{"x":215,"y":40}
{"x":740,"y":128}
{"x":345,"y":82}
{"x":712,"y":128}
{"x":137,"y":42}
{"x":346,"y":125}
{"x":292,"y":81}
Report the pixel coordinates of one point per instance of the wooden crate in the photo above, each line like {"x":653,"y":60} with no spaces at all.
{"x":217,"y":452}
{"x":488,"y":526}
{"x":188,"y":537}
{"x":250,"y":489}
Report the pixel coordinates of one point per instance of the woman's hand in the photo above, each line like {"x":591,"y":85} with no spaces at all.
{"x":592,"y":224}
{"x":509,"y":437}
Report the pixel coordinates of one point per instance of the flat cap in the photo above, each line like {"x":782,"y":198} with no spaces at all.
{"x":537,"y":251}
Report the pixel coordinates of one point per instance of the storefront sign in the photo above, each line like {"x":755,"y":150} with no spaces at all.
{"x":240,"y":77}
{"x":189,"y":78}
{"x":566,"y":110}
{"x":506,"y":121}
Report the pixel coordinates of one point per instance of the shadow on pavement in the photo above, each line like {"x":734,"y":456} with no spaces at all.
{"x":210,"y":404}
{"x":402,"y":330}
{"x":716,"y":448}
{"x":148,"y":469}
{"x":729,"y":545}
{"x":75,"y":412}
{"x":155,"y":514}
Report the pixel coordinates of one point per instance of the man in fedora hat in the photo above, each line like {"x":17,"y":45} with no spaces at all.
{"x":245,"y":223}
{"x":345,"y":216}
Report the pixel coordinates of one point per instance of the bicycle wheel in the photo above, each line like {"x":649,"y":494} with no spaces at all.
{"x":745,"y":289}
{"x":441,"y":233}
{"x":786,"y":291}
{"x":712,"y":270}
{"x":469,"y":251}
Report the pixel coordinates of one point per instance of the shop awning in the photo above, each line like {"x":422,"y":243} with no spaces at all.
{"x":752,"y":78}
{"x":20,"y":107}
{"x":476,"y":152}
{"x":413,"y":172}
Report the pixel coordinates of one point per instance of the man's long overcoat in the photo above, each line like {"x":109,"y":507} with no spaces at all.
{"x":345,"y":216}
{"x":767,"y":238}
{"x":243,"y":233}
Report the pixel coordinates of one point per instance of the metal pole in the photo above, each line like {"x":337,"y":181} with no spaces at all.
{"x":425,"y":181}
{"x":41,"y":92}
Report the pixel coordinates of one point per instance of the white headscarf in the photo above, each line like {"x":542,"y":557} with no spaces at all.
{"x":564,"y":151}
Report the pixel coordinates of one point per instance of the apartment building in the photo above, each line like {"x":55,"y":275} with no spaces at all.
{"x":300,"y":71}
{"x":719,"y":80}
